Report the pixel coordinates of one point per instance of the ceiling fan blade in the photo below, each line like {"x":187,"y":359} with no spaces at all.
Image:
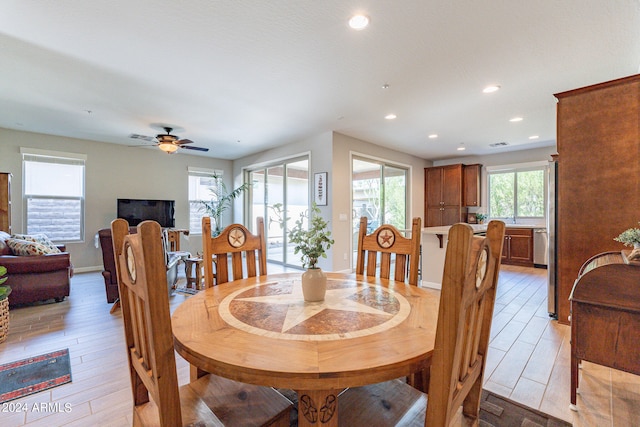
{"x":183,"y":141}
{"x":188,"y":147}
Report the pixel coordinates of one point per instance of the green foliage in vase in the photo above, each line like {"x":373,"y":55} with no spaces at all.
{"x":629,"y":237}
{"x":4,"y":290}
{"x":313,"y":242}
{"x":220,"y":201}
{"x":480,"y":217}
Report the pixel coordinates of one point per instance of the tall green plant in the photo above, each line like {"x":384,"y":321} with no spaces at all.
{"x":221,"y":200}
{"x":314,"y":241}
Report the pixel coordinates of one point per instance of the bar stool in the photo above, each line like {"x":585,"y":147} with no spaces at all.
{"x":194,"y":278}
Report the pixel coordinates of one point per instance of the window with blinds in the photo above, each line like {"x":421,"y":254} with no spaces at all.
{"x":202,"y":185}
{"x":54,"y":194}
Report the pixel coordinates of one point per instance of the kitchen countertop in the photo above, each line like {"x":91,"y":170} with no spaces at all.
{"x":478,"y":228}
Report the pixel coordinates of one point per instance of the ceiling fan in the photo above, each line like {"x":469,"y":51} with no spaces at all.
{"x":171,"y":143}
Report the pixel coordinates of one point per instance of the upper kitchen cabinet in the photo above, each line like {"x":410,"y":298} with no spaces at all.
{"x":471,"y":184}
{"x":448,"y":191}
{"x":443,"y":195}
{"x":598,"y":168}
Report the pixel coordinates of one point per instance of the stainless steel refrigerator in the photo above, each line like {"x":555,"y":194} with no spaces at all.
{"x":552,"y":221}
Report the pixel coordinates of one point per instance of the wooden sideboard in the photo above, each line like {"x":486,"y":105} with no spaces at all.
{"x":605,"y":315}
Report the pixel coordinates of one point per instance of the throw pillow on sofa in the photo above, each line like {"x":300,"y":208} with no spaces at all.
{"x":26,"y":248}
{"x":38,"y":238}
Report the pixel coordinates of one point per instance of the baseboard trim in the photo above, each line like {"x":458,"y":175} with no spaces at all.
{"x":90,"y":269}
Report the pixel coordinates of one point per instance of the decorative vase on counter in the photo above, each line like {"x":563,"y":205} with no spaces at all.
{"x":314,"y":285}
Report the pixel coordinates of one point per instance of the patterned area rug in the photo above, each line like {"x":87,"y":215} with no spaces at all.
{"x":495,"y":411}
{"x":28,"y":376}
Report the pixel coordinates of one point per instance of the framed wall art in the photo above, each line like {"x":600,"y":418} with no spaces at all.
{"x":471,"y":218}
{"x":320,"y":188}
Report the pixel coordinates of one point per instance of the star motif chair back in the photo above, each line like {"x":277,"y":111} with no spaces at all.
{"x":467,"y":299}
{"x":391,"y":245}
{"x":158,"y":401}
{"x":237,"y":244}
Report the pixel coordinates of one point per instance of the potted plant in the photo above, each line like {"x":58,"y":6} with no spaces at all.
{"x":481,"y":217}
{"x":312,"y":243}
{"x":630,"y":237}
{"x":220,"y":201}
{"x":4,"y":305}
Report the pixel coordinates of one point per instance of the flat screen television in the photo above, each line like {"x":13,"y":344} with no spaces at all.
{"x":137,"y":210}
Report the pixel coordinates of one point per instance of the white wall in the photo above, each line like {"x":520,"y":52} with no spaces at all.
{"x":112,"y":171}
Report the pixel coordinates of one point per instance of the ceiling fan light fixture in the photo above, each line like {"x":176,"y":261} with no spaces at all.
{"x":168,"y":147}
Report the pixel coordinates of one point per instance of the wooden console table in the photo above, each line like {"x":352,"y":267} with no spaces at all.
{"x":605,"y":315}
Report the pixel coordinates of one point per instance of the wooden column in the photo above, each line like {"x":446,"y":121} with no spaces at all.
{"x":5,"y":202}
{"x":598,"y":174}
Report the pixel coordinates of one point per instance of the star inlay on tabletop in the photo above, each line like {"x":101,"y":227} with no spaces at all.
{"x":349,"y":310}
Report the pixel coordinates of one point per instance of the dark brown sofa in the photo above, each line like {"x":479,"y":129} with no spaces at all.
{"x":38,"y":277}
{"x":108,"y":260}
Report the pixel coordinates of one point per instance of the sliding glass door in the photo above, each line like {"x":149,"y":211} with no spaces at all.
{"x":280,"y":193}
{"x":379,"y":192}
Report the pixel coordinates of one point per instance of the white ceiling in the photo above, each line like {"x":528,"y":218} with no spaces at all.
{"x":242,"y":76}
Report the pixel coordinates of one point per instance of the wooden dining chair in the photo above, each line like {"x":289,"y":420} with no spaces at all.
{"x":467,"y":298}
{"x":237,"y":243}
{"x":158,"y":401}
{"x":389,"y":242}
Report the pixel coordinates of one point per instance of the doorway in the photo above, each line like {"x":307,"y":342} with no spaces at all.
{"x":379,"y":192}
{"x":280,"y":193}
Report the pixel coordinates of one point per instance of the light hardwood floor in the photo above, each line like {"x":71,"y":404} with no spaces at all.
{"x":528,"y":359}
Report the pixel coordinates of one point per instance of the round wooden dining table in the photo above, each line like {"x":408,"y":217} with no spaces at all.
{"x":261,"y":331}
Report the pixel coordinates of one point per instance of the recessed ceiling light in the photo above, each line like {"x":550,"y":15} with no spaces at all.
{"x":534,"y":137}
{"x":390,"y":116}
{"x":516,"y":119}
{"x":359,"y":22}
{"x":491,"y":89}
{"x":433,"y":136}
{"x":461,"y":147}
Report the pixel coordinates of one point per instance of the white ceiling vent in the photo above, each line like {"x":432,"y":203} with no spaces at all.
{"x":498,"y":144}
{"x":143,"y":137}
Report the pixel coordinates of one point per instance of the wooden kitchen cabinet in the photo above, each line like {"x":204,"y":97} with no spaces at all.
{"x":517,"y":248}
{"x":5,"y":202}
{"x":443,"y":196}
{"x":471,"y":185}
{"x":448,"y":191}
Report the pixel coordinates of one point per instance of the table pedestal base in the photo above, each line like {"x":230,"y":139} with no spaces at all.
{"x":318,"y":408}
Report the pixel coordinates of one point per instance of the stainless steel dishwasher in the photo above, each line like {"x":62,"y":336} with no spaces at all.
{"x":540,"y":248}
